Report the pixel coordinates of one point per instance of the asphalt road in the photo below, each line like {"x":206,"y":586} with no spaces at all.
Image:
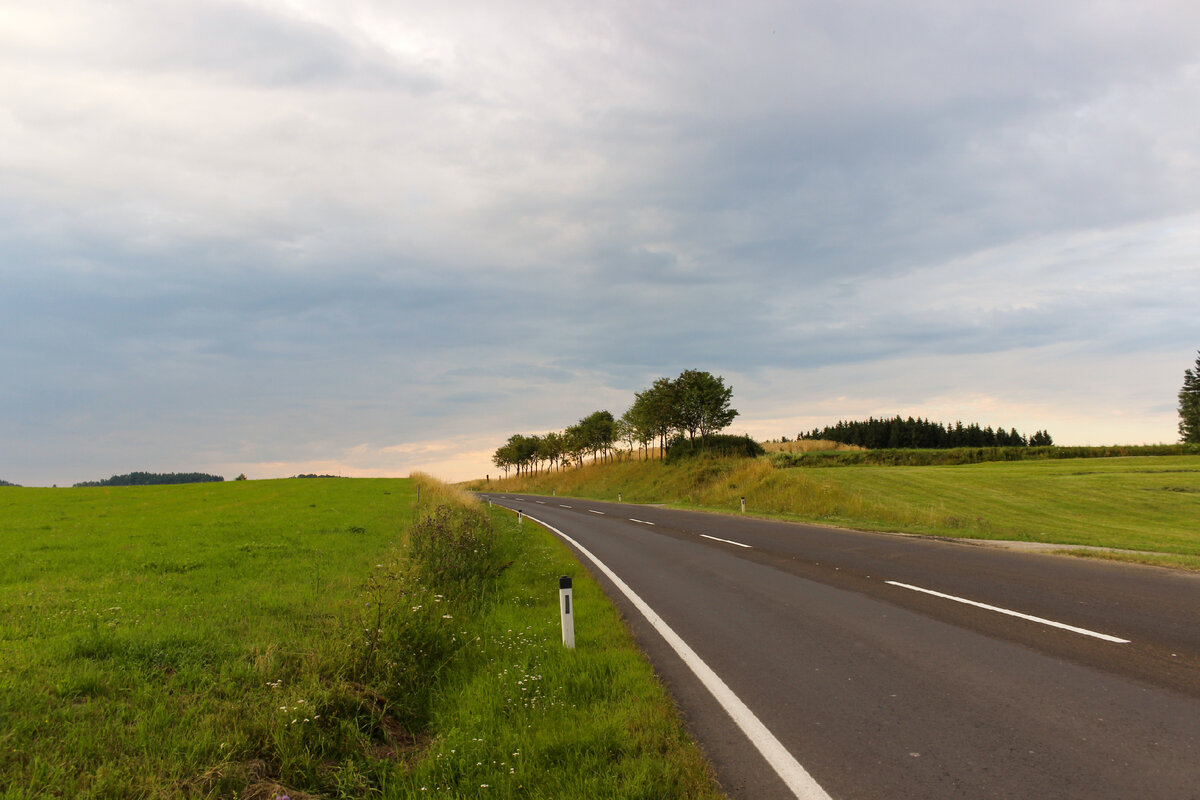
{"x":897,"y":667}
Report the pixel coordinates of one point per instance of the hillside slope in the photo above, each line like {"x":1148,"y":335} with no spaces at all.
{"x":1143,"y":503}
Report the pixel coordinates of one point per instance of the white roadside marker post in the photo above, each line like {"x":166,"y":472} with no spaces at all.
{"x":520,"y":517}
{"x":566,"y":613}
{"x":743,"y":505}
{"x":619,"y":500}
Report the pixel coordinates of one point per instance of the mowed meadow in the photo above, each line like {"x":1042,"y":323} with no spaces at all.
{"x":1148,"y":503}
{"x":313,"y":638}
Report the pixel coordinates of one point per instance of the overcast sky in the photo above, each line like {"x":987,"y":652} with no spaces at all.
{"x":372,"y":237}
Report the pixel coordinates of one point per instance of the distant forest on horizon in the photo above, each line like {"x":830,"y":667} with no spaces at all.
{"x":878,"y":434}
{"x":154,"y":479}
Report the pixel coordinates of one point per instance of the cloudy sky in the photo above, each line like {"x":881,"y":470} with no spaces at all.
{"x":282,"y":236}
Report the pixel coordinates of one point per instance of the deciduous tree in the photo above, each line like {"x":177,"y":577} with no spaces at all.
{"x":656,"y":408}
{"x":702,"y":403}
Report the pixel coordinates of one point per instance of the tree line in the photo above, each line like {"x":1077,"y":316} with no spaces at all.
{"x":1189,"y":405}
{"x":694,"y":405}
{"x":153,"y":479}
{"x":877,"y":434}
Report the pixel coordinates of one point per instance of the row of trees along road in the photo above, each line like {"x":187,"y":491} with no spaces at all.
{"x":695,"y":404}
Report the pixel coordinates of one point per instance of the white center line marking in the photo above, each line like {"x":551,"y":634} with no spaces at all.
{"x":594,"y":511}
{"x":631,"y":519}
{"x":785,"y":765}
{"x":999,"y":610}
{"x":560,"y":505}
{"x":726,"y":541}
{"x":540,"y":502}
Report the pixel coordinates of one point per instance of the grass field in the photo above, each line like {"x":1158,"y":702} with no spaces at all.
{"x":1149,"y":503}
{"x":266,"y":638}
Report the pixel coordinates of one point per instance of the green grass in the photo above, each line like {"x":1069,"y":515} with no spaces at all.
{"x":254,"y":639}
{"x":141,"y":626}
{"x":1148,"y":503}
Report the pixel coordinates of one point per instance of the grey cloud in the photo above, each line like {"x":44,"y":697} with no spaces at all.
{"x":302,"y":233}
{"x":265,"y":45}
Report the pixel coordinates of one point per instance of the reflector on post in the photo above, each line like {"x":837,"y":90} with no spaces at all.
{"x":566,"y":613}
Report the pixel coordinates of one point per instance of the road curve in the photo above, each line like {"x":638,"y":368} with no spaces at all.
{"x":894,"y":666}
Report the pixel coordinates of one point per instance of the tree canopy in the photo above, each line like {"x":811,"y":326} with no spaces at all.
{"x":1189,"y":405}
{"x":154,"y":478}
{"x":878,"y":434}
{"x":702,"y":404}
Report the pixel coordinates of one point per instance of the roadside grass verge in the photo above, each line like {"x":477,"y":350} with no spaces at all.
{"x":521,"y":716}
{"x":256,"y":639}
{"x":1146,"y":503}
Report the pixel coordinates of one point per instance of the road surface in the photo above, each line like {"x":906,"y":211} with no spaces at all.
{"x":886,"y":666}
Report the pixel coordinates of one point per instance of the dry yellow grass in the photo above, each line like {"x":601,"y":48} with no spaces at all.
{"x":807,"y":446}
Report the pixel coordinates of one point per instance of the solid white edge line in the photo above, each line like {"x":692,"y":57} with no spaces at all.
{"x":726,"y":541}
{"x":785,"y":765}
{"x":631,"y":519}
{"x":1010,"y":613}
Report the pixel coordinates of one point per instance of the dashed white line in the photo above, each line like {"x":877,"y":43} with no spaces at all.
{"x":802,"y":785}
{"x":540,"y":502}
{"x":594,"y":511}
{"x":642,"y":521}
{"x":1106,"y":637}
{"x":560,"y":505}
{"x":726,"y":541}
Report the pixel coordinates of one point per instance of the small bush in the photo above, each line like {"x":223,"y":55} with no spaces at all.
{"x":717,"y":444}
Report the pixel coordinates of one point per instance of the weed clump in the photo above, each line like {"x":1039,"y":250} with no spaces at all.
{"x":453,"y":550}
{"x":408,"y":634}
